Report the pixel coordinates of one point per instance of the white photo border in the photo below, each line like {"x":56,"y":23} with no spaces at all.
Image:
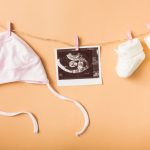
{"x":77,"y":82}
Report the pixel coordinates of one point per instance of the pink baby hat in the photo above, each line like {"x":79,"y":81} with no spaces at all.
{"x":18,"y":62}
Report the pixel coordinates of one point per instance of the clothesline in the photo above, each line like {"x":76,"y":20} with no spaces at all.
{"x":69,"y":44}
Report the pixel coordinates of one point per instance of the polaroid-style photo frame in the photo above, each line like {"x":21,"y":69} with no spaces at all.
{"x":78,"y":67}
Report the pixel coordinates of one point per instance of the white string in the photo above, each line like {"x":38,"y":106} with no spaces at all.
{"x":11,"y":114}
{"x":78,"y":104}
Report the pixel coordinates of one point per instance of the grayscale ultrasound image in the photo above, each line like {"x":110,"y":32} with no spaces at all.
{"x":81,"y":64}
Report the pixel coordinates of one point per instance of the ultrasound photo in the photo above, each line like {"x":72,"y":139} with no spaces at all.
{"x":78,"y":67}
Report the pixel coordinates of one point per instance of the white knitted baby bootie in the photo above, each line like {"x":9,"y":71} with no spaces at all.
{"x":130,"y":56}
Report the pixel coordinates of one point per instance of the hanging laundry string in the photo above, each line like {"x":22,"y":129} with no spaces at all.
{"x":70,"y":44}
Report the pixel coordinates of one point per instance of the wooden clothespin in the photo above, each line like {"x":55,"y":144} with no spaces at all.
{"x":148,"y":26}
{"x":76,"y":42}
{"x":129,"y":35}
{"x":9,"y":28}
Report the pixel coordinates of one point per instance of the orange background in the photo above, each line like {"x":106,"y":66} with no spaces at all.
{"x":119,"y":110}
